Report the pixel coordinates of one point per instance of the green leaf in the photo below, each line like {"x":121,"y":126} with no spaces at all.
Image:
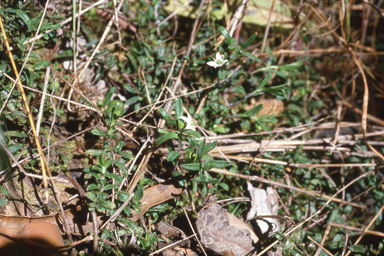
{"x":138,"y":194}
{"x":358,"y":248}
{"x":224,"y":186}
{"x":3,"y":201}
{"x":133,"y":61}
{"x":210,"y":147}
{"x":201,"y":150}
{"x":164,"y":114}
{"x":91,"y":196}
{"x":4,"y":191}
{"x":180,"y":178}
{"x":253,"y":111}
{"x":251,"y":56}
{"x":24,"y":17}
{"x":108,"y":205}
{"x":265,"y":81}
{"x":108,"y":96}
{"x":179,"y":108}
{"x":94,"y":152}
{"x":249,"y":41}
{"x":288,"y":247}
{"x":41,"y":64}
{"x":192,"y":133}
{"x":93,"y":187}
{"x":98,"y":132}
{"x":171,"y":135}
{"x":239,"y":89}
{"x":110,"y":186}
{"x":192,"y":166}
{"x":219,"y":164}
{"x":172,"y":156}
{"x":121,"y":166}
{"x":225,"y":33}
{"x":122,"y":195}
{"x":16,"y":134}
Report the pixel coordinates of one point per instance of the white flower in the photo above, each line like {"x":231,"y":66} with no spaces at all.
{"x":218,"y":62}
{"x":191,"y":125}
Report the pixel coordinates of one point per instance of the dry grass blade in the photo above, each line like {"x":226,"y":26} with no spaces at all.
{"x":44,"y":166}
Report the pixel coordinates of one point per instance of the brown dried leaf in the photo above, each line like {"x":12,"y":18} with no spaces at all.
{"x":156,"y":195}
{"x":41,"y":239}
{"x":223,"y":233}
{"x":271,"y":107}
{"x":76,"y":218}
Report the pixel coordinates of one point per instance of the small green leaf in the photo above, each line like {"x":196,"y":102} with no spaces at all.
{"x":94,"y":152}
{"x":201,"y":150}
{"x":91,"y":196}
{"x":172,"y":156}
{"x":358,"y":248}
{"x":3,"y":201}
{"x":219,"y":164}
{"x":192,"y":166}
{"x":108,"y":96}
{"x":165,"y":115}
{"x":24,"y":17}
{"x":253,"y":111}
{"x":210,"y":147}
{"x":110,"y":186}
{"x":239,"y":89}
{"x":108,"y":205}
{"x":225,"y":33}
{"x":122,"y":195}
{"x":4,"y":191}
{"x":180,"y":178}
{"x":171,"y":135}
{"x":224,"y":186}
{"x":249,"y":41}
{"x":288,"y":247}
{"x":98,"y":132}
{"x":251,"y":56}
{"x":16,"y":134}
{"x":133,"y":61}
{"x":41,"y":64}
{"x":179,"y":108}
{"x":192,"y":133}
{"x":93,"y":187}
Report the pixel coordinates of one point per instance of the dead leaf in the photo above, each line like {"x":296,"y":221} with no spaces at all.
{"x":271,"y":107}
{"x":223,"y":233}
{"x":156,"y":195}
{"x":170,"y":231}
{"x":75,"y":216}
{"x":41,"y":239}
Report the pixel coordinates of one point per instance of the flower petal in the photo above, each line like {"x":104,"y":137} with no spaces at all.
{"x":218,"y":56}
{"x":212,"y":64}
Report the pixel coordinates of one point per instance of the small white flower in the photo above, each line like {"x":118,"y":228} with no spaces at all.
{"x":218,"y":62}
{"x":191,"y":125}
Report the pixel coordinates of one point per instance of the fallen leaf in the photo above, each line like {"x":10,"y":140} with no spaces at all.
{"x":156,"y":195}
{"x":223,"y":233}
{"x":35,"y":239}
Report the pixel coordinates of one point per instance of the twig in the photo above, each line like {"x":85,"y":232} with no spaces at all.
{"x":40,"y":115}
{"x":280,"y":185}
{"x":44,"y":165}
{"x":194,"y":232}
{"x":313,"y":241}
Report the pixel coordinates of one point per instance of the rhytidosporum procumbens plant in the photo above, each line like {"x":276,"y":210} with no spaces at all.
{"x":195,"y":154}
